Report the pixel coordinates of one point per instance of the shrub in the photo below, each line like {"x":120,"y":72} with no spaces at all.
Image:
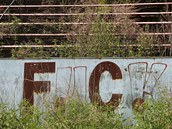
{"x":75,"y":114}
{"x":156,"y":114}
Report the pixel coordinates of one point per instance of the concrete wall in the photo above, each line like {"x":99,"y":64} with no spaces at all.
{"x":107,"y":81}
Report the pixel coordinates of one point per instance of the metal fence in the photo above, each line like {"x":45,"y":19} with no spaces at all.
{"x":27,"y":12}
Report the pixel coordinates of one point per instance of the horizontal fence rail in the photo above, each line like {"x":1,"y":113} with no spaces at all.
{"x":61,"y":46}
{"x":86,"y":5}
{"x":73,"y":34}
{"x":80,"y":23}
{"x":82,"y":14}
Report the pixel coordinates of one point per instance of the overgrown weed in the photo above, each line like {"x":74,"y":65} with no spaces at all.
{"x":75,"y":114}
{"x":156,"y":114}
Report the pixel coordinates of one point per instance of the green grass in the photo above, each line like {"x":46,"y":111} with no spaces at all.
{"x":74,"y":114}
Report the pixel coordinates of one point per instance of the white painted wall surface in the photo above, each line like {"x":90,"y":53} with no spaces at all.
{"x":73,"y":75}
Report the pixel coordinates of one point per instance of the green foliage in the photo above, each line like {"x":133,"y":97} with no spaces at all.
{"x":72,"y":114}
{"x":19,"y":118}
{"x":100,"y":39}
{"x":156,"y":114}
{"x":76,"y":114}
{"x":31,"y":52}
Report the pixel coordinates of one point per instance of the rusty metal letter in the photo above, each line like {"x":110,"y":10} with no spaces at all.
{"x":115,"y":71}
{"x":31,"y":86}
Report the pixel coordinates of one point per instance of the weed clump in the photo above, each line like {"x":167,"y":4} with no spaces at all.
{"x":75,"y":114}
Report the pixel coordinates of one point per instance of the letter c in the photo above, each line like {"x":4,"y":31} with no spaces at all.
{"x":115,"y":71}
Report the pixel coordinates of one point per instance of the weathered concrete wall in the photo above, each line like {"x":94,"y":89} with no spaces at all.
{"x":105,"y":80}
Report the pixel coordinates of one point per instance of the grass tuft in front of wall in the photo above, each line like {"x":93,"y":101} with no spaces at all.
{"x":156,"y":114}
{"x":71,"y":115}
{"x":76,"y":114}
